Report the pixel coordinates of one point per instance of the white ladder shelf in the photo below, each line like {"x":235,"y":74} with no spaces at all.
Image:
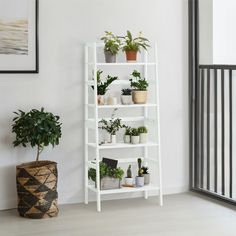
{"x":92,"y":124}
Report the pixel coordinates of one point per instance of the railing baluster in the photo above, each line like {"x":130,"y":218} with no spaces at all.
{"x":208,"y":128}
{"x":230,"y":137}
{"x":202,"y":126}
{"x":216,"y":132}
{"x":223,"y":131}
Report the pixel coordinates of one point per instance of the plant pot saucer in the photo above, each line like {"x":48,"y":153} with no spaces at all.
{"x":128,"y":186}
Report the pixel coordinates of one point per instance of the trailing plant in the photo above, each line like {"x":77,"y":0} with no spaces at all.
{"x":112,"y":43}
{"x":134,"y":132}
{"x":105,"y":170}
{"x":137,"y":82}
{"x":126,"y":91}
{"x":37,"y":128}
{"x":128,"y":130}
{"x":134,"y":44}
{"x":102,"y":87}
{"x":145,"y":170}
{"x":142,"y":130}
{"x":140,"y":171}
{"x":113,"y":125}
{"x":129,"y":172}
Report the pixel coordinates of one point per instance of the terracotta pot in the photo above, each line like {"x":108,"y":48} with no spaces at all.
{"x":37,"y":189}
{"x":131,"y":56}
{"x":139,"y":97}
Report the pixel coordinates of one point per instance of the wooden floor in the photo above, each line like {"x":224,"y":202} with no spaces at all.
{"x":182,"y":215}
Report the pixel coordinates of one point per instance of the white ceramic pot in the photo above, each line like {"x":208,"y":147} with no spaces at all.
{"x":129,"y":181}
{"x":143,"y":138}
{"x":139,"y":181}
{"x":126,"y":99}
{"x":113,"y":138}
{"x":146,"y":179}
{"x":101,"y":99}
{"x":111,"y":100}
{"x":127,"y":139}
{"x":135,"y":139}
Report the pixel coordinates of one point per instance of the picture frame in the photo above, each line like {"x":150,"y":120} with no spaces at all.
{"x":19,"y":31}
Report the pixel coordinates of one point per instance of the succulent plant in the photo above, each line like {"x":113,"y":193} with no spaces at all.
{"x":142,"y":130}
{"x":126,"y":91}
{"x":134,"y":132}
{"x":145,"y":170}
{"x":140,"y":171}
{"x":129,"y":172}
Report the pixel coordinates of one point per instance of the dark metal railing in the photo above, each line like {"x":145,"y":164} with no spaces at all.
{"x":214,"y":142}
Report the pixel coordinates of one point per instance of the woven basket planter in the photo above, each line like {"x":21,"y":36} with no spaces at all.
{"x":37,"y":189}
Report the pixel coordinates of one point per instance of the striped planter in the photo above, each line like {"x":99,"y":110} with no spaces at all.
{"x":37,"y":189}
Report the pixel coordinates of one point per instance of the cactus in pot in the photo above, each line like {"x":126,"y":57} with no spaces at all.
{"x":129,"y":178}
{"x":140,"y":178}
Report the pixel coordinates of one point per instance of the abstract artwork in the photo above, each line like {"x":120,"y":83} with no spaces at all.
{"x":18,"y":36}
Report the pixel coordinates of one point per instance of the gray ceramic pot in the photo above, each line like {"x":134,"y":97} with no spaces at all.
{"x":109,"y":57}
{"x":139,"y":181}
{"x":146,"y":179}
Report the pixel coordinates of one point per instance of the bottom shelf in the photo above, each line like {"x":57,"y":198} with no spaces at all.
{"x":149,"y":187}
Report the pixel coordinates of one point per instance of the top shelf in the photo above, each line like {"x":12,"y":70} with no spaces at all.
{"x":124,"y":64}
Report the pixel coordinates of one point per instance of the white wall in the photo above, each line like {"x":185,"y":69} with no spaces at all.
{"x":64,"y":26}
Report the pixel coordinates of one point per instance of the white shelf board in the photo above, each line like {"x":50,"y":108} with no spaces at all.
{"x":122,"y":145}
{"x":127,"y":119}
{"x":124,"y":106}
{"x":123,"y":64}
{"x":149,"y":187}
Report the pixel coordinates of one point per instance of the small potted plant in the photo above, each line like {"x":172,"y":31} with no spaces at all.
{"x":112,"y":126}
{"x":140,"y":178}
{"x":132,"y":45}
{"x":129,"y":179}
{"x":102,"y":87}
{"x":37,"y":180}
{"x":126,"y":96}
{"x":142,"y":134}
{"x":127,"y":135}
{"x":139,"y":85}
{"x":109,"y":178}
{"x":146,"y":175}
{"x":111,"y":47}
{"x":134,"y":136}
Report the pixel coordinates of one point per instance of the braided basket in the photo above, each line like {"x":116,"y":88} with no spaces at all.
{"x":37,"y":189}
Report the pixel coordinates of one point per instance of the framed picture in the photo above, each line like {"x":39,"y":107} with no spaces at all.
{"x":19,"y":36}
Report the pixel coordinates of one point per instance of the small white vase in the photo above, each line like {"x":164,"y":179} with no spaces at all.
{"x":126,"y":99}
{"x":135,"y":139}
{"x":129,"y":181}
{"x":111,"y":100}
{"x":127,"y":139}
{"x":113,"y":139}
{"x":143,"y":138}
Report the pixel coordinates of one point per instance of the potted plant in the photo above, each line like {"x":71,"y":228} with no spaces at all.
{"x":127,"y":134}
{"x":109,"y":178}
{"x":129,"y":179}
{"x":111,"y":47}
{"x":146,"y":175}
{"x":132,"y":46}
{"x":139,"y":179}
{"x":142,"y":134}
{"x":134,"y":136}
{"x":37,"y":181}
{"x":126,"y":96}
{"x":102,"y":87}
{"x":139,"y":85}
{"x":112,"y":126}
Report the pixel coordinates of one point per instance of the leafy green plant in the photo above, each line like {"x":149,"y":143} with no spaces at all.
{"x":105,"y":170}
{"x":129,"y":172}
{"x":140,"y":171}
{"x":112,"y":43}
{"x":142,"y":130}
{"x":126,"y":91}
{"x":134,"y":132}
{"x":128,"y":130}
{"x":102,"y":87}
{"x":134,"y":44}
{"x":145,"y":170}
{"x":37,"y":128}
{"x":137,"y":82}
{"x":113,"y":125}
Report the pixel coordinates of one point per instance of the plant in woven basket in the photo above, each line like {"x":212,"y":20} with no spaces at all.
{"x":37,"y":181}
{"x":37,"y":128}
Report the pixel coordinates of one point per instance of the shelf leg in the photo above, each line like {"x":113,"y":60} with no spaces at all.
{"x":160,"y":198}
{"x":146,"y":195}
{"x":98,"y":202}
